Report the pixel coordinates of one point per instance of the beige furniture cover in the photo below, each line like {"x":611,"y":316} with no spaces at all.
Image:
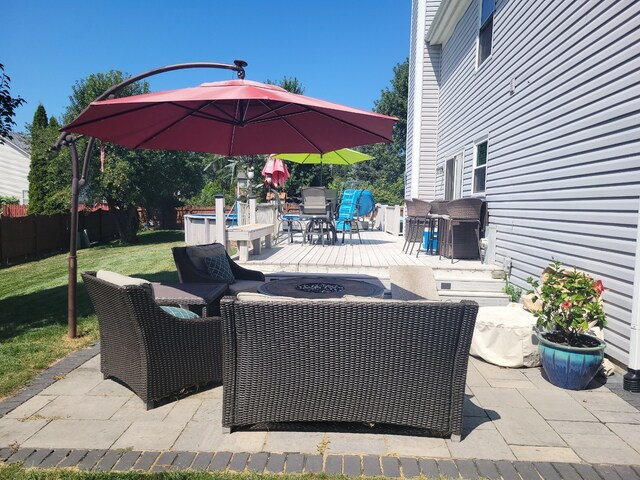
{"x":505,"y":336}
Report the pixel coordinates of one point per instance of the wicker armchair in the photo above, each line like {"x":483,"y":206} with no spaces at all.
{"x":155,"y":354}
{"x":373,"y":361}
{"x":190,"y":273}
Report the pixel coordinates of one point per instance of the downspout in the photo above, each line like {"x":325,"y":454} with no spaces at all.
{"x":631,"y":380}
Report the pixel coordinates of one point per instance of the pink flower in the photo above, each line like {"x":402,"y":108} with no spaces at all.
{"x":598,"y":287}
{"x":566,"y":304}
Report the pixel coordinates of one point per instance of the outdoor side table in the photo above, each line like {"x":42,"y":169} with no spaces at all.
{"x":205,"y":295}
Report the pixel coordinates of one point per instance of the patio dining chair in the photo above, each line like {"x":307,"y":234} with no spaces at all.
{"x":292,"y":222}
{"x":415,"y":223}
{"x":316,"y":209}
{"x":462,"y":218}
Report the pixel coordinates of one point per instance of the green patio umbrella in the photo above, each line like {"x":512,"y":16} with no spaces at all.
{"x":344,"y":156}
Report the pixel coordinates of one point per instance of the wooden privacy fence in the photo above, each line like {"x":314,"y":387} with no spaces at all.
{"x":22,"y":238}
{"x":14,"y":210}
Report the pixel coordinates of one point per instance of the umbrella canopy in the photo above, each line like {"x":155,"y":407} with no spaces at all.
{"x":276,"y":170}
{"x":344,"y":156}
{"x":236,"y":117}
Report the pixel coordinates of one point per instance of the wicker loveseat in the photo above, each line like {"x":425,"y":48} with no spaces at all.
{"x":155,"y":354}
{"x":373,"y":361}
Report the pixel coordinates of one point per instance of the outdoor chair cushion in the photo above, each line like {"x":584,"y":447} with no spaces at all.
{"x":244,"y":286}
{"x":260,"y":297}
{"x":219,"y":269}
{"x":122,"y":280}
{"x":180,"y":312}
{"x":198,"y":253}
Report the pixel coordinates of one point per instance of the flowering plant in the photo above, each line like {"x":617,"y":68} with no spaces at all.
{"x":571,"y":302}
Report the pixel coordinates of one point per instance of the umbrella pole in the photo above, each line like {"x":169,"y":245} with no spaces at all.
{"x":79,"y":177}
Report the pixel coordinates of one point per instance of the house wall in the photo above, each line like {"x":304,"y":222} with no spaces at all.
{"x":422,"y":112}
{"x":14,"y":171}
{"x":559,"y":100}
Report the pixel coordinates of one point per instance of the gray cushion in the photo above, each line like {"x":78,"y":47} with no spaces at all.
{"x":244,"y":286}
{"x":219,"y":269}
{"x":198,"y":253}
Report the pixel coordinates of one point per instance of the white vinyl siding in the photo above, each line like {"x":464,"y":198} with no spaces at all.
{"x":422,"y":114}
{"x":14,"y":171}
{"x":564,"y":126}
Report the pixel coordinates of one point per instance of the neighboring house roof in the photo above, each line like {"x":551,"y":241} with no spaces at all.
{"x":19,"y":142}
{"x":445,"y":21}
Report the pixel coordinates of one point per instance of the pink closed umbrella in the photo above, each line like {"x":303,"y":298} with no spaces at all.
{"x":275,"y":172}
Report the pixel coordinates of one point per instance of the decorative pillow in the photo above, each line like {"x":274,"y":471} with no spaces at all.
{"x":197,"y":254}
{"x":180,"y":312}
{"x":219,"y":269}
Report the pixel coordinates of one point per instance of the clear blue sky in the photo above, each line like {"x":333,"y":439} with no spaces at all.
{"x":340,"y":50}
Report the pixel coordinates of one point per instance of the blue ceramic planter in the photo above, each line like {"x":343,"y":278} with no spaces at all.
{"x":570,"y":367}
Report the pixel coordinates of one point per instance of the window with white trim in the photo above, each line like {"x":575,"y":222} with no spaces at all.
{"x":485,"y":35}
{"x":480,"y":167}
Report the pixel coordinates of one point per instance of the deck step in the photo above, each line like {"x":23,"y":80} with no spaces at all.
{"x":469,"y":284}
{"x":484,"y":299}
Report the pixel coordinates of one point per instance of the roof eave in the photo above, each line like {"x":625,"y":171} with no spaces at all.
{"x":445,"y":20}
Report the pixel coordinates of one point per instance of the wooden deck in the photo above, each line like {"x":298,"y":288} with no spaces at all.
{"x":378,"y":251}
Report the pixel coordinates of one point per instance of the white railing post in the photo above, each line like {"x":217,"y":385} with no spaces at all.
{"x":252,"y":209}
{"x":221,"y":227}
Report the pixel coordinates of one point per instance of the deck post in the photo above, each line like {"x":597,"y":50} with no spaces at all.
{"x":221,"y":223}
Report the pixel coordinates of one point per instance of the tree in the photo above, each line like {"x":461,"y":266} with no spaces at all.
{"x":133,"y":178}
{"x":8,"y":104}
{"x":302,"y":175}
{"x":49,"y":172}
{"x":385,"y":173}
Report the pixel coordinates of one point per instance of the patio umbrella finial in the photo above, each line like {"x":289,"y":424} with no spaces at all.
{"x":240,"y":64}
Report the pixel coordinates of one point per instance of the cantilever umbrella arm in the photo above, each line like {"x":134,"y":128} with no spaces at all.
{"x":80,"y":174}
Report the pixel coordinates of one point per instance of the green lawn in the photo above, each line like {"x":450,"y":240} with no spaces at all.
{"x":33,"y":302}
{"x":13,"y":472}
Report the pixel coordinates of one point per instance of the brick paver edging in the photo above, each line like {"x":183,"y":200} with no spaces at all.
{"x":348,"y":465}
{"x":264,"y":462}
{"x":48,"y":377}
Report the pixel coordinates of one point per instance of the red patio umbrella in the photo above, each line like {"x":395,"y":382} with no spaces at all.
{"x":275,"y":170}
{"x":236,"y":117}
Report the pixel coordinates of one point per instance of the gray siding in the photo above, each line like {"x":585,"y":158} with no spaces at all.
{"x":563,"y":171}
{"x":425,"y":153}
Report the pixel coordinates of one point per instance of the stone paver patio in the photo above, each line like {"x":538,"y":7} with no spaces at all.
{"x":516,"y":425}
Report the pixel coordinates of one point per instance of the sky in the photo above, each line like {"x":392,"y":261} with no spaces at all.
{"x":343,"y":51}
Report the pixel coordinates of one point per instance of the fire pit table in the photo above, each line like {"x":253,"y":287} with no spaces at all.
{"x":320,"y":287}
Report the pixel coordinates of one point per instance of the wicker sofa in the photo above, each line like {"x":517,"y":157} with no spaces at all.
{"x":373,"y":361}
{"x":155,"y":354}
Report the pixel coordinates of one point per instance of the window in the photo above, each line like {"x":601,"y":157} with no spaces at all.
{"x":480,"y":167}
{"x":486,"y":30}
